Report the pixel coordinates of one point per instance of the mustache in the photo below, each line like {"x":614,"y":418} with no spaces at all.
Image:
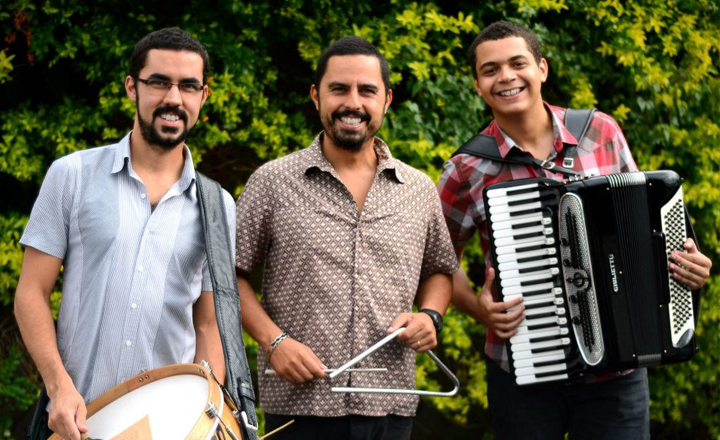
{"x":174,"y":110}
{"x":352,"y":113}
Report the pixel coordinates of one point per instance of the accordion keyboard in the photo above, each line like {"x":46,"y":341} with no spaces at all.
{"x":526,"y":256}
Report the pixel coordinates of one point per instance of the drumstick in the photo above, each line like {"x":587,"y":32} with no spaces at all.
{"x":274,"y":431}
{"x":272,"y":372}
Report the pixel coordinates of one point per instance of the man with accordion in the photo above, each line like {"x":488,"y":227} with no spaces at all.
{"x":532,"y":139}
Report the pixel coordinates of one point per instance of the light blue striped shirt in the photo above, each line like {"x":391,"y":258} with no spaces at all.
{"x":131,"y":275}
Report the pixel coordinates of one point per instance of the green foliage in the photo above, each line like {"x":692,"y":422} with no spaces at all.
{"x":652,"y":65}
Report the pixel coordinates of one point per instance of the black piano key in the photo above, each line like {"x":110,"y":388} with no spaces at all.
{"x":529,"y":259}
{"x":547,"y":363}
{"x":525,"y":212}
{"x":544,"y":315}
{"x":546,"y":349}
{"x":542,"y":326}
{"x":534,"y":282}
{"x":538,"y":306}
{"x":540,"y":198}
{"x":536,"y":268}
{"x":529,"y":235}
{"x":547,"y":338}
{"x":526,"y":225}
{"x":550,"y":373}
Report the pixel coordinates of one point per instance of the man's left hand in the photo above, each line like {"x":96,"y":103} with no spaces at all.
{"x":691,"y":267}
{"x":419,"y":333}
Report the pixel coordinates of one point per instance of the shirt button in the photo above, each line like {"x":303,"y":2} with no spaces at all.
{"x":146,"y":232}
{"x":133,"y":306}
{"x":140,"y":268}
{"x":142,"y":196}
{"x":128,"y":343}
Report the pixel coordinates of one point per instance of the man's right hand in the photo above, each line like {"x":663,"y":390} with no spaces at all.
{"x":493,"y":314}
{"x":296,"y":362}
{"x":67,"y":414}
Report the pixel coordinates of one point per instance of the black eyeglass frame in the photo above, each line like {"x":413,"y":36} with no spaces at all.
{"x":167,"y":85}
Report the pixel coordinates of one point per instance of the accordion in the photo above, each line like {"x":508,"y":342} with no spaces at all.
{"x":590,"y":259}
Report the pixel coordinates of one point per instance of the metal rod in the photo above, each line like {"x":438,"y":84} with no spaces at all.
{"x":272,"y":372}
{"x":367,"y":352}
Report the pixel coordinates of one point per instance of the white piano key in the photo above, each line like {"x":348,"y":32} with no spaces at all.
{"x":537,"y":229}
{"x":529,"y":346}
{"x":529,"y":355}
{"x":514,"y":265}
{"x":532,"y":371}
{"x":543,"y":310}
{"x":510,"y":257}
{"x":520,"y":219}
{"x":504,"y":200}
{"x":559,"y":357}
{"x":514,"y":290}
{"x":531,"y":321}
{"x":503,"y":191}
{"x":527,"y":380}
{"x":502,"y":209}
{"x":520,"y":244}
{"x":514,"y":277}
{"x":527,"y":335}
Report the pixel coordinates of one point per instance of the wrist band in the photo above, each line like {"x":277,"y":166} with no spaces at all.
{"x":277,"y":341}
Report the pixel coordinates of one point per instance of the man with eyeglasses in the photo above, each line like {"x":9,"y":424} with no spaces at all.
{"x":124,"y":223}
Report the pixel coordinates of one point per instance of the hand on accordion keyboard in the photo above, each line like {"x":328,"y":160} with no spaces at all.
{"x":501,"y":317}
{"x":691,"y":268}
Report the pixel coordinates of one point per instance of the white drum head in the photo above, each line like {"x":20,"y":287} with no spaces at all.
{"x":173,"y":405}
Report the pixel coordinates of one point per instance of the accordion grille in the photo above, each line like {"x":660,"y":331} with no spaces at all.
{"x":579,"y":283}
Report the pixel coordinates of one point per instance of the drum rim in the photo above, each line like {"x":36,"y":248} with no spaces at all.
{"x":205,"y":424}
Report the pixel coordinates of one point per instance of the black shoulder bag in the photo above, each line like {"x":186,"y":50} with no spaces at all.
{"x":227,"y":301}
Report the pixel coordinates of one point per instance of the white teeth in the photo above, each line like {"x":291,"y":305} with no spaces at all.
{"x":351,"y":121}
{"x":169,"y":117}
{"x":510,"y":92}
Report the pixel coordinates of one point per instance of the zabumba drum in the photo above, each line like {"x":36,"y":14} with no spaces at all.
{"x":182,"y":401}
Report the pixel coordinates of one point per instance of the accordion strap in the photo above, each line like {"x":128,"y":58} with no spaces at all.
{"x":576,"y":121}
{"x":227,"y":300}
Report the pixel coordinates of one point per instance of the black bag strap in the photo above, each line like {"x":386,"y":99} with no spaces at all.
{"x":227,"y":301}
{"x":577,"y":122}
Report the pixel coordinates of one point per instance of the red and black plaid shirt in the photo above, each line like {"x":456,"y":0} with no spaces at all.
{"x":603,"y":150}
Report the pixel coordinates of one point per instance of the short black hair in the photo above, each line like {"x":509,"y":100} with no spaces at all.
{"x":352,"y":45}
{"x":171,"y":39}
{"x":500,"y":30}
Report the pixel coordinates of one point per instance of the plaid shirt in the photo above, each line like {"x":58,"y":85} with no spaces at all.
{"x":603,"y":150}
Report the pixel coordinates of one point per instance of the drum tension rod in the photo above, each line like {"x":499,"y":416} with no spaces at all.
{"x":212,"y":412}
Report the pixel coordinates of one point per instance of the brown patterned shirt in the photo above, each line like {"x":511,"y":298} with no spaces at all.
{"x":334,"y":279}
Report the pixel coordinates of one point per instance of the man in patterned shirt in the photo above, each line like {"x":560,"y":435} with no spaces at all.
{"x":508,"y":72}
{"x":350,"y":238}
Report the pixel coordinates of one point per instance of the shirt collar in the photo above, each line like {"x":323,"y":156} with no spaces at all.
{"x":561,"y":135}
{"x":317,"y":160}
{"x":122,"y":158}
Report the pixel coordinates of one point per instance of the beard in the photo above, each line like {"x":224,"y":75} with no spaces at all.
{"x":151,"y":135}
{"x":350,"y":140}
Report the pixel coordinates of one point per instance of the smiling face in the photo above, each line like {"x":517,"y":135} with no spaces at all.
{"x":351,"y":100}
{"x":508,"y":77}
{"x":164,"y":117}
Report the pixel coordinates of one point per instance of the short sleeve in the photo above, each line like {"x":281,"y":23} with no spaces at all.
{"x":49,"y":224}
{"x":457,"y":204}
{"x":439,"y":256}
{"x":253,"y":215}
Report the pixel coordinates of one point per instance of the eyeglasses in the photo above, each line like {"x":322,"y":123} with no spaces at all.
{"x":161,"y":85}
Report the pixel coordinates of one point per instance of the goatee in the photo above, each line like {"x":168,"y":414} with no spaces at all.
{"x":150,"y":133}
{"x":350,"y":140}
